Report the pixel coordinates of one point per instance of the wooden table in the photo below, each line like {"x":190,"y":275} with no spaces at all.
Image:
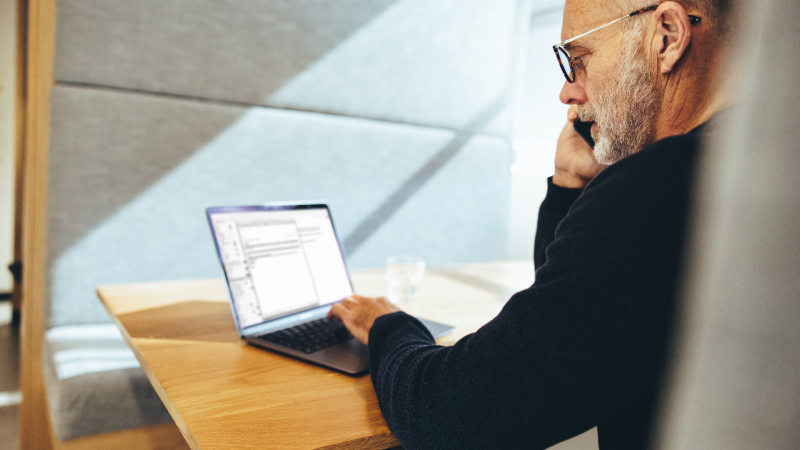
{"x":224,"y":394}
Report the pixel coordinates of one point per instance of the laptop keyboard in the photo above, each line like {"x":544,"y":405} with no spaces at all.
{"x":310,"y":337}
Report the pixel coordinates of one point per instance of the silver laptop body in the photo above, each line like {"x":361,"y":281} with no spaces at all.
{"x":285,"y":266}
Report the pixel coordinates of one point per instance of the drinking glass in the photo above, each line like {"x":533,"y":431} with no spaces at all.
{"x":404,"y":274}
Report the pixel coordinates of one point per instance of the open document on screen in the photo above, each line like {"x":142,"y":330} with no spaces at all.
{"x":280,"y":261}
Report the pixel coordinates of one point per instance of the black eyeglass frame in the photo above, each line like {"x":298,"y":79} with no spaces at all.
{"x":559,"y":48}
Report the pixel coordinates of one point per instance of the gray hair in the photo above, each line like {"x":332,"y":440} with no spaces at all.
{"x":718,"y":12}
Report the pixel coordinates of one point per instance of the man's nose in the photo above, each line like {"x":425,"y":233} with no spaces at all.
{"x":573,"y":93}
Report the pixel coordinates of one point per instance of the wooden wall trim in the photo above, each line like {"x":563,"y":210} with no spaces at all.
{"x":34,"y":420}
{"x":155,"y":437}
{"x":19,"y":141}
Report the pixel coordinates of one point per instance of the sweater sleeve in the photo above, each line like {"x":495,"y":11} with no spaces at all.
{"x":576,"y":349}
{"x":554,"y":207}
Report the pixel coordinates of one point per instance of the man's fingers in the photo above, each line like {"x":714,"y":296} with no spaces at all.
{"x":344,"y":309}
{"x":337,"y":311}
{"x":572,"y":113}
{"x":358,"y":313}
{"x":354,"y":301}
{"x":332,"y":314}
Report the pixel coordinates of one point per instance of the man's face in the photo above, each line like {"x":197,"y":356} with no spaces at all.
{"x":614,"y":88}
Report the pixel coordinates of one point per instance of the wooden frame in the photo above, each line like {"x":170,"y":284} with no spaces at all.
{"x":38,"y":35}
{"x":35,"y":51}
{"x":156,"y":437}
{"x":19,"y":144}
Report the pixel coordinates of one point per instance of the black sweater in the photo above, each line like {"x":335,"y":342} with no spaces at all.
{"x":583,"y":347}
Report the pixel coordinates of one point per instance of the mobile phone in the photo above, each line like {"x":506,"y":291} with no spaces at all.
{"x":585,"y":130}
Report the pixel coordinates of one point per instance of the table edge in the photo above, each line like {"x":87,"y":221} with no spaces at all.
{"x":162,"y":394}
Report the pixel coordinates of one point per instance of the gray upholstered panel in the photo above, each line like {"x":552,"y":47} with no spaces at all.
{"x":107,"y":149}
{"x":94,"y":383}
{"x":460,"y":215}
{"x":737,"y":371}
{"x":436,"y":63}
{"x":131,"y":175}
{"x":416,"y":61}
{"x":238,"y":50}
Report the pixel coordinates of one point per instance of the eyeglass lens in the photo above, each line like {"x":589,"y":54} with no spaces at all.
{"x":563,"y":59}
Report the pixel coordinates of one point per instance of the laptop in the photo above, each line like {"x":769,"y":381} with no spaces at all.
{"x":285,"y":266}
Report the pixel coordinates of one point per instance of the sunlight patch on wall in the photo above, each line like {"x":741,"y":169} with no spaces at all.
{"x":434,"y":63}
{"x":267,"y":155}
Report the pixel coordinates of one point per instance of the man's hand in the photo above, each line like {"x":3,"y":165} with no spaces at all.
{"x":575,"y":162}
{"x":359,"y":313}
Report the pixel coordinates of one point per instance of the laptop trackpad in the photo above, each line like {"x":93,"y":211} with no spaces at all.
{"x":350,"y":356}
{"x":437,"y":329}
{"x":353,"y":357}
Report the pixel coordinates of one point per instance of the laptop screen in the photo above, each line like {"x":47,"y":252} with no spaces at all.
{"x":279,"y":260}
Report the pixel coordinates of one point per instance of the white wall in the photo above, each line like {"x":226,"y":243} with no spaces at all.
{"x":539,"y":119}
{"x":7,"y":110}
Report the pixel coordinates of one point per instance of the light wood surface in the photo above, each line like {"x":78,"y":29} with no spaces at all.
{"x":156,"y":437}
{"x":224,"y":394}
{"x":35,"y":49}
{"x":34,"y":422}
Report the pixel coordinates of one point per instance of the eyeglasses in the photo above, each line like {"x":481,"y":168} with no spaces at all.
{"x":569,"y":69}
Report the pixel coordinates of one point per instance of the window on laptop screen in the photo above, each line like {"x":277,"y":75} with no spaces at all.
{"x":279,"y":262}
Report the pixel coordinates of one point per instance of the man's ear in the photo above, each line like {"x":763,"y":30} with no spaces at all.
{"x":673,"y":35}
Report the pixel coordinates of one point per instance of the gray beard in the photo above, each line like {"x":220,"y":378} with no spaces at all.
{"x":626,"y":109}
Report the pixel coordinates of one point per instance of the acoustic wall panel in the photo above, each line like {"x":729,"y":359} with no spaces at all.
{"x":414,"y":61}
{"x":460,"y":215}
{"x":236,"y":50}
{"x":435,"y":63}
{"x":131,"y":175}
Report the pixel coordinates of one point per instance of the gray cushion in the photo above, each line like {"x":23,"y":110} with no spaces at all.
{"x":735,"y":376}
{"x":131,"y":175}
{"x":414,"y":61}
{"x":95,"y":384}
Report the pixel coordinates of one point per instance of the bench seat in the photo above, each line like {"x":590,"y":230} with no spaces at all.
{"x":95,"y":384}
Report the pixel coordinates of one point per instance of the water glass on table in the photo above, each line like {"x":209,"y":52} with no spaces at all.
{"x":404,"y":274}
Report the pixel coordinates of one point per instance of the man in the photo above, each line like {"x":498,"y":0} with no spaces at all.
{"x":585,"y":345}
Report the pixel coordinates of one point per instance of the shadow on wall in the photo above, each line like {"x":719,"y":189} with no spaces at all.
{"x":107,"y":149}
{"x":238,"y":51}
{"x":162,"y":233}
{"x":411,"y":61}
